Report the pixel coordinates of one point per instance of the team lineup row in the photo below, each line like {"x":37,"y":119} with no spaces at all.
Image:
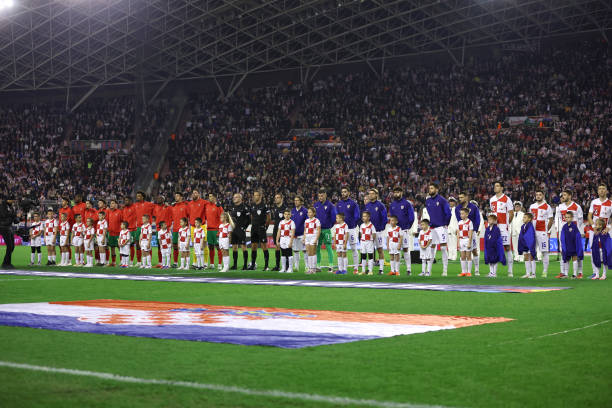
{"x":367,"y":229}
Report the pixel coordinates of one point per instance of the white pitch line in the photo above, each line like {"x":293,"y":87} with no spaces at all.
{"x":221,"y":388}
{"x":554,"y":334}
{"x":42,"y":278}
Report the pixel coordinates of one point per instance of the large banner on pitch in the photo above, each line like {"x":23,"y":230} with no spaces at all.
{"x":264,"y":326}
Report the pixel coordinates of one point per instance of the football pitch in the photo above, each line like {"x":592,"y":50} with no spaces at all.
{"x":554,"y":351}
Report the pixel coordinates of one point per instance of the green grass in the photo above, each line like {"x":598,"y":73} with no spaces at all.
{"x":494,"y":365}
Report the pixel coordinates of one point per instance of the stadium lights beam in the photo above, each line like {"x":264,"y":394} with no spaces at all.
{"x":6,"y":4}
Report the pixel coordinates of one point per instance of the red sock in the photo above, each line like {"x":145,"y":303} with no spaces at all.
{"x":176,"y":255}
{"x":211,"y":256}
{"x":97,"y":253}
{"x":107,"y":252}
{"x":131,"y":254}
{"x":139,"y":255}
{"x":114,"y":255}
{"x":159,"y":257}
{"x":219,"y":255}
{"x":70,"y":252}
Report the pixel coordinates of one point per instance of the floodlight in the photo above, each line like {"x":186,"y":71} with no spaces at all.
{"x":5,"y":4}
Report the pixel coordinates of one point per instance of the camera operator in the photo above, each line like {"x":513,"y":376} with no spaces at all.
{"x":7,"y":218}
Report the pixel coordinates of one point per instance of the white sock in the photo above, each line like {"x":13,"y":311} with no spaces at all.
{"x":102,"y":257}
{"x":89,"y":260}
{"x":296,"y":260}
{"x":363,"y":265}
{"x":575,"y":266}
{"x":595,"y":270}
{"x":423,"y":266}
{"x":355,"y":259}
{"x":604,"y":270}
{"x":407,"y":260}
{"x":226,"y":261}
{"x":39,"y":257}
{"x":149,"y":259}
{"x":463,"y":266}
{"x":469,"y":266}
{"x":182,"y":262}
{"x":444,"y":259}
{"x":290,"y":264}
{"x":48,"y":258}
{"x":528,"y":268}
{"x":545,"y":262}
{"x":429,"y":266}
{"x":32,"y":257}
{"x":476,"y":262}
{"x":510,"y":261}
{"x":580,"y":266}
{"x":82,"y":257}
{"x":492,"y":269}
{"x":283,"y":263}
{"x":533,"y":268}
{"x":370,"y":265}
{"x":381,"y":264}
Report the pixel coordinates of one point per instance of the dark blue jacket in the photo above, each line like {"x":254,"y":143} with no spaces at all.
{"x":404,"y":211}
{"x":326,"y":213}
{"x":352,"y":214}
{"x":299,"y":216}
{"x":378,"y":215}
{"x":605,"y":257}
{"x":571,"y":242}
{"x":439,"y":211}
{"x":527,"y":240}
{"x":494,"y":247}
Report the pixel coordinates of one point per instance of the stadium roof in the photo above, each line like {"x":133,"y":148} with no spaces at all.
{"x":55,"y":44}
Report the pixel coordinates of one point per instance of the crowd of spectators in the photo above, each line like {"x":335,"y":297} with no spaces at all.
{"x":410,"y":126}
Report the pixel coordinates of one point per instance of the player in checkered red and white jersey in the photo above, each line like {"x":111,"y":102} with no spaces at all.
{"x":312,"y":232}
{"x":502,"y":206}
{"x":78,"y":230}
{"x":125,"y":242}
{"x":64,"y":239}
{"x":542,"y":221}
{"x":36,"y":233}
{"x":340,"y":233}
{"x":600,"y":209}
{"x":465,"y":232}
{"x":567,"y":204}
{"x":426,"y":245}
{"x":226,"y":227}
{"x":164,"y":240}
{"x":146,"y":235}
{"x":101,"y":236}
{"x":184,"y":235}
{"x":89,"y":236}
{"x":199,"y":243}
{"x":51,"y":226}
{"x":352,"y":217}
{"x":284,"y":240}
{"x":367,"y":234}
{"x":395,"y":240}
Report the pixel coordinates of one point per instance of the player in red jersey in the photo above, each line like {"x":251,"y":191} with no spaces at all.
{"x":79,"y":206}
{"x":179,"y":211}
{"x":213,"y":213}
{"x":65,"y":209}
{"x":114,"y":218}
{"x":197,"y":209}
{"x":161,"y":213}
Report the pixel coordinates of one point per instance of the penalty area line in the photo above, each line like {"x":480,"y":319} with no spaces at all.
{"x":219,"y":387}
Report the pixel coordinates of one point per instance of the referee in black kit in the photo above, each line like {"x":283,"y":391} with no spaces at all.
{"x":260,"y":219}
{"x":241,"y":215}
{"x":277,"y":216}
{"x":7,"y":218}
